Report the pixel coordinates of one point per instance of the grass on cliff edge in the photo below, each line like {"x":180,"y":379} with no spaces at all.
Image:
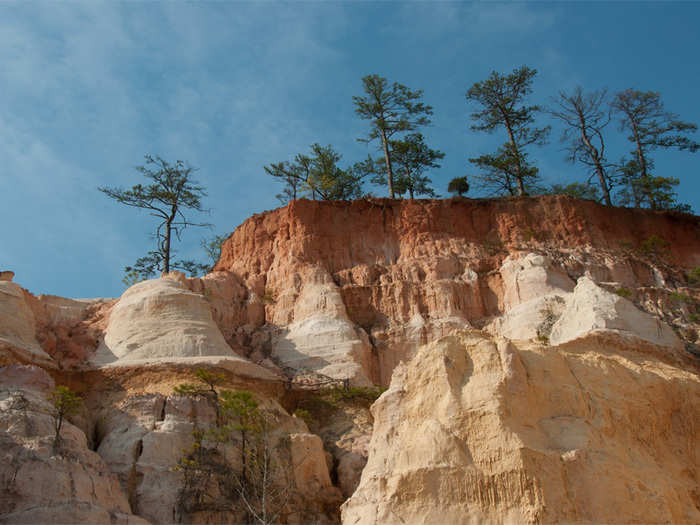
{"x":318,"y":406}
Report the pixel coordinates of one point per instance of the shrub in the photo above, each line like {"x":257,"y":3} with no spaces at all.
{"x":682,"y":298}
{"x":269,"y":297}
{"x":624,"y":292}
{"x":694,"y":276}
{"x":65,"y":403}
{"x":260,"y":484}
{"x":305,"y":416}
{"x":358,"y":393}
{"x":653,"y":246}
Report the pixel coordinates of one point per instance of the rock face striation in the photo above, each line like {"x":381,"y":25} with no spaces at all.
{"x":540,"y":356}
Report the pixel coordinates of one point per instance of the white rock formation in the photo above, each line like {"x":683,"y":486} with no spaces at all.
{"x":473,"y":430}
{"x":68,"y":485}
{"x":530,"y":320}
{"x":159,"y":321}
{"x":321,"y":337}
{"x":593,"y":310}
{"x":530,"y":277}
{"x":17,"y":325}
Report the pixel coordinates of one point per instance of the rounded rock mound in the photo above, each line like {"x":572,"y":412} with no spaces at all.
{"x":160,"y":321}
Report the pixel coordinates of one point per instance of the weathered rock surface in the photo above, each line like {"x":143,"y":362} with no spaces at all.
{"x":46,"y":484}
{"x":578,"y":406}
{"x":410,"y":272}
{"x":474,"y":430}
{"x":591,"y":309}
{"x":17,"y":325}
{"x":161,"y":320}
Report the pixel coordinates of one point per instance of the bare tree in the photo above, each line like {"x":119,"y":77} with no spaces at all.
{"x":585,"y":120}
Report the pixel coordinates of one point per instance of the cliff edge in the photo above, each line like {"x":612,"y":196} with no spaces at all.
{"x":540,"y":357}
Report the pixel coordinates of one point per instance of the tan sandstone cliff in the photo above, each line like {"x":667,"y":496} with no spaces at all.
{"x":540,"y":357}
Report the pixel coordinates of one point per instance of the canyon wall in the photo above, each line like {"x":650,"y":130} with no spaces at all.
{"x":540,"y":356}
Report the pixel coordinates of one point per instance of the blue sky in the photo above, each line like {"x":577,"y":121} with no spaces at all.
{"x":89,"y":88}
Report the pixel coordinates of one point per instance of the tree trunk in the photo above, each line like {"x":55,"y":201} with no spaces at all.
{"x":596,"y":159}
{"x":603,"y":183}
{"x":166,"y":243}
{"x":643,"y":167}
{"x":389,"y":172}
{"x":243,"y":456}
{"x":519,"y":175}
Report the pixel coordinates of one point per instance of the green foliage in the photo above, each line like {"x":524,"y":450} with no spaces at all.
{"x":317,"y":175}
{"x":321,"y":405}
{"x":259,"y":484}
{"x":650,"y":126}
{"x":318,"y":405}
{"x":411,"y":157}
{"x":624,"y":292}
{"x":212,"y":249}
{"x":390,"y":110}
{"x":653,"y":246}
{"x":682,"y":298}
{"x":208,"y":381}
{"x":501,"y":98}
{"x":170,"y":191}
{"x":132,"y":277}
{"x":361,"y":394}
{"x":576,"y":190}
{"x":241,"y":410}
{"x":305,"y":415}
{"x":529,"y":234}
{"x":627,"y":245}
{"x":146,"y":268}
{"x":269,"y":297}
{"x":650,"y":191}
{"x":329,"y":181}
{"x":507,"y":172}
{"x":65,"y":403}
{"x":458,"y":186}
{"x":694,"y":276}
{"x":207,"y":388}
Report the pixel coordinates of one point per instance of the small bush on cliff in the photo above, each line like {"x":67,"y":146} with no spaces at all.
{"x":364,"y":394}
{"x":305,"y":416}
{"x":624,"y":292}
{"x":258,"y":481}
{"x":654,"y":246}
{"x":65,"y":403}
{"x":458,"y":186}
{"x":682,"y":298}
{"x":207,"y":388}
{"x":269,"y":297}
{"x":694,"y":276}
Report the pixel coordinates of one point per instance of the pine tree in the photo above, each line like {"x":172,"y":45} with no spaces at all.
{"x":170,"y":192}
{"x":411,"y":157}
{"x":501,"y":98}
{"x":390,"y":110}
{"x":643,"y":115}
